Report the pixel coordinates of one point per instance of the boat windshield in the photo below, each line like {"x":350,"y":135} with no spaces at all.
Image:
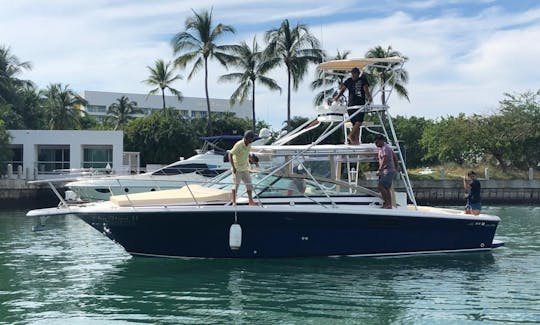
{"x":298,"y":185}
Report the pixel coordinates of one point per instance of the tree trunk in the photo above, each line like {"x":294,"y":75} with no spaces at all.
{"x":163,"y":98}
{"x":288,"y":98}
{"x":209,"y":131}
{"x":253,"y":104}
{"x":500,"y":159}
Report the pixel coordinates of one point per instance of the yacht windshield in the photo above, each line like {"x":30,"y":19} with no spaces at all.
{"x":287,"y":186}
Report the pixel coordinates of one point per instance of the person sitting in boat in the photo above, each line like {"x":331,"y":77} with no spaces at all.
{"x":387,"y":170}
{"x":254,"y":160}
{"x":473,"y":197}
{"x":358,"y":88}
{"x":239,"y":158}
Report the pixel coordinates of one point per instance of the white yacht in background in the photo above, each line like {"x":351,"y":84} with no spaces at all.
{"x":207,"y":163}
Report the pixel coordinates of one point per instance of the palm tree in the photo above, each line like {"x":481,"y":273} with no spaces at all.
{"x":62,"y":106}
{"x":199,"y":43}
{"x":162,"y":76}
{"x":10,"y":67}
{"x":121,"y":112}
{"x":296,"y":47}
{"x":254,"y":66}
{"x":328,"y":80}
{"x":382,"y":75}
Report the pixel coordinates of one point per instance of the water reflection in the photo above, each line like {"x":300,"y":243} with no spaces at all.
{"x":324,"y":289}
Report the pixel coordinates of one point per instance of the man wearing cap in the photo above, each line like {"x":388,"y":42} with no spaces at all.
{"x":358,"y":88}
{"x":239,"y":158}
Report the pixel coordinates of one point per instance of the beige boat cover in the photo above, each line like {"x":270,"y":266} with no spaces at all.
{"x":348,"y":64}
{"x":185,"y":194}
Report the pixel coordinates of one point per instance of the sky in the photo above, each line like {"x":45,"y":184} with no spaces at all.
{"x":463,"y":55}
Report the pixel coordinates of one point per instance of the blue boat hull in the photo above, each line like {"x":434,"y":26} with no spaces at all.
{"x":296,"y":234}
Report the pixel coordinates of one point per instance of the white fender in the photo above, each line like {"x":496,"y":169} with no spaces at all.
{"x":235,"y":236}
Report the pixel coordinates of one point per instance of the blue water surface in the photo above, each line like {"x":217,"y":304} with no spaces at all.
{"x":71,"y":274}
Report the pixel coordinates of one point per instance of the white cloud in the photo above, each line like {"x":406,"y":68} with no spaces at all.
{"x":457,"y":63}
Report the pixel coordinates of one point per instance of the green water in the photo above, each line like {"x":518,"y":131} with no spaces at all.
{"x":71,"y":274}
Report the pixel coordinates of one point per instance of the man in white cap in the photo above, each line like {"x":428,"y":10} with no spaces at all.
{"x":358,"y":88}
{"x":239,"y":158}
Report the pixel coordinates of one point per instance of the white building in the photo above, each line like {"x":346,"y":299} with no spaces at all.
{"x":99,"y":102}
{"x":40,"y":152}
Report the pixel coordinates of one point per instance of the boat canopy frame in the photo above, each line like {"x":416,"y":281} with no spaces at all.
{"x":338,"y":67}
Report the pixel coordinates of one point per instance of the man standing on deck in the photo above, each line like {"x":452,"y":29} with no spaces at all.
{"x":239,"y":158}
{"x":473,"y":197}
{"x":387,"y":170}
{"x":358,"y":88}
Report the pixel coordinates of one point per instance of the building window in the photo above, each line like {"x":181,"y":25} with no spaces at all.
{"x":197,"y":114}
{"x":100,"y":118}
{"x":52,"y":158}
{"x":16,"y":159}
{"x":96,"y":109}
{"x":184,"y":113}
{"x":97,"y":156}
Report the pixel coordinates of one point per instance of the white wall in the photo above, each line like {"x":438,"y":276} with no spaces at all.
{"x":31,"y":139}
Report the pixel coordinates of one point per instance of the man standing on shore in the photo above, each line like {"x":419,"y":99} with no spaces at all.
{"x":239,"y":158}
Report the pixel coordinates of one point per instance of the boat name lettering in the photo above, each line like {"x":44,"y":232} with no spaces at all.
{"x":117,"y":220}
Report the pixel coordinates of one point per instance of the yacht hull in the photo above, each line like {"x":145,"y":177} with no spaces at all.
{"x":268,"y":234}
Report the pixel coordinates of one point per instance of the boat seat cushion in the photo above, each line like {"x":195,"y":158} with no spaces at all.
{"x":186,"y":194}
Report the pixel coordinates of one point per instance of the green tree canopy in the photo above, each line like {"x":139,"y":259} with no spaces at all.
{"x":161,"y":138}
{"x":331,"y":81}
{"x":19,"y":100}
{"x":224,"y":124}
{"x":409,"y":131}
{"x":254,"y":67}
{"x":297,"y":48}
{"x":162,"y":76}
{"x":450,"y":140}
{"x":119,"y":113}
{"x":62,"y":107}
{"x":511,"y":136}
{"x":10,"y":68}
{"x":5,"y":152}
{"x":199,"y":43}
{"x":393,"y":73}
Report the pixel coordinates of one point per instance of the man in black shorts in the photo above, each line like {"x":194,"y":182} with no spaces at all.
{"x":358,"y":88}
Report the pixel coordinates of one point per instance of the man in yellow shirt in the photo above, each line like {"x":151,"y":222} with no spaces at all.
{"x":239,"y":158}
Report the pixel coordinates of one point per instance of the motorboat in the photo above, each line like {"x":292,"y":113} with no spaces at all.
{"x":177,"y":174}
{"x":207,"y":163}
{"x":308,"y":199}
